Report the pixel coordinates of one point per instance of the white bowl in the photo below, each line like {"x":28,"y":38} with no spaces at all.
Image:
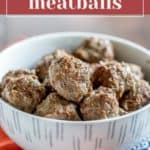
{"x":36,"y":133}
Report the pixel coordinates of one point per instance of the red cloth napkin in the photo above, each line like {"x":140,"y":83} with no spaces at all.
{"x":6,"y":143}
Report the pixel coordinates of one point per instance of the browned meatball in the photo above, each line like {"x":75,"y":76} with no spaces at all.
{"x":15,"y":74}
{"x":43,"y":65}
{"x":70,"y":77}
{"x":93,"y":50}
{"x":102,"y":103}
{"x":57,"y":107}
{"x":137,"y":97}
{"x":45,"y":62}
{"x":137,"y":71}
{"x":114,"y":75}
{"x":22,"y":89}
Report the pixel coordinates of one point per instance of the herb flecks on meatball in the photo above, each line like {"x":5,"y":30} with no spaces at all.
{"x":45,"y":62}
{"x":93,"y":50}
{"x":43,"y":66}
{"x":57,"y":107}
{"x":115,"y":75}
{"x":22,"y":89}
{"x":101,"y":104}
{"x":136,"y":97}
{"x":70,"y":77}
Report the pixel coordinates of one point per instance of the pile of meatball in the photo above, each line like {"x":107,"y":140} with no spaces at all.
{"x":87,"y":84}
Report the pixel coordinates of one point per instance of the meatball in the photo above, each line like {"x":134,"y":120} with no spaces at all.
{"x":45,"y":62}
{"x":43,"y":65}
{"x":57,"y":107}
{"x":137,"y":97}
{"x":114,"y":75}
{"x":22,"y":89}
{"x":137,"y":71}
{"x":93,"y":50}
{"x":15,"y":74}
{"x":102,"y":103}
{"x":70,"y":77}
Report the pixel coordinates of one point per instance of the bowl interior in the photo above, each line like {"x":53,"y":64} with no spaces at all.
{"x":26,"y":53}
{"x":33,"y":132}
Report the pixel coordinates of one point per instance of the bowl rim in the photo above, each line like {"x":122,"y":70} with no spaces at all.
{"x":138,"y":47}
